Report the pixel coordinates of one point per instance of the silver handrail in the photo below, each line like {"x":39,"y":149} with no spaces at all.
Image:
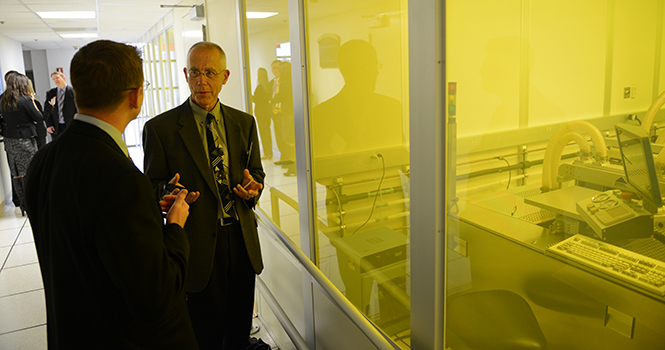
{"x":378,"y":338}
{"x":283,"y":319}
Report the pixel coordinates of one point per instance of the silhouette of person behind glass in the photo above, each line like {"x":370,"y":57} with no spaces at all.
{"x":345,"y":130}
{"x":357,"y":118}
{"x":263,"y":112}
{"x":282,"y":103}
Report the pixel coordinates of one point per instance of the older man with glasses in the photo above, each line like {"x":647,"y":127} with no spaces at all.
{"x":215,"y":149}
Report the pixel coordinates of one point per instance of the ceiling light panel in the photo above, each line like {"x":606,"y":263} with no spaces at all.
{"x":260,"y":15}
{"x":67,"y":14}
{"x":78,"y":35}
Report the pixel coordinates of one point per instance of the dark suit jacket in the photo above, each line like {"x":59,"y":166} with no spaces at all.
{"x":172,"y":144}
{"x":21,"y":122}
{"x":113,"y":273}
{"x":69,"y":107}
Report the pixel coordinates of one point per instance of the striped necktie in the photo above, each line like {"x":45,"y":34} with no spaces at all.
{"x":216,"y":155}
{"x":61,"y":103}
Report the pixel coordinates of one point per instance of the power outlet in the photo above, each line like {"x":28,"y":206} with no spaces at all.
{"x":627,"y":92}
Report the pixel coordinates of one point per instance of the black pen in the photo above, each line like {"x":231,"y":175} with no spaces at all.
{"x":249,"y":153}
{"x":169,"y":187}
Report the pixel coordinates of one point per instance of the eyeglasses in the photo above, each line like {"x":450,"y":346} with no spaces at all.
{"x":146,"y":84}
{"x":193,"y":74}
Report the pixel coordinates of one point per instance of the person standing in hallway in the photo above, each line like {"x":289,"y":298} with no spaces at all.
{"x":15,"y":199}
{"x":113,"y":271}
{"x":60,"y":106}
{"x":276,"y":117}
{"x":215,"y":149}
{"x":19,"y":115}
{"x":262,"y":112}
{"x":41,"y":128}
{"x":283,"y":111}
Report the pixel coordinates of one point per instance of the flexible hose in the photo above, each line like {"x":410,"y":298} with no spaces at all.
{"x":596,"y":138}
{"x":582,"y":143}
{"x":651,"y":113}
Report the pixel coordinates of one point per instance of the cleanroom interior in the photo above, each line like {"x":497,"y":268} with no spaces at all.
{"x":550,"y":106}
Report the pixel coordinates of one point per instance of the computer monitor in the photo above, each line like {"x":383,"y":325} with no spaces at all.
{"x":638,"y":164}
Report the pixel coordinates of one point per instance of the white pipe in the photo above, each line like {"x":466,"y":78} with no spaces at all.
{"x":596,"y":138}
{"x":558,"y":151}
{"x":660,"y":158}
{"x":661,"y":138}
{"x":651,"y":112}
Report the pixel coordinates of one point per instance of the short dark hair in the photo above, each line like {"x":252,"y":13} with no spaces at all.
{"x":103,"y":72}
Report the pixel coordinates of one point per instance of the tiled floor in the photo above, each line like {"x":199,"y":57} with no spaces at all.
{"x":22,"y":308}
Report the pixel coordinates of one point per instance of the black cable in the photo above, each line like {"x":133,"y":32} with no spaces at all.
{"x":509,"y":171}
{"x":339,"y":207}
{"x":383,"y":175}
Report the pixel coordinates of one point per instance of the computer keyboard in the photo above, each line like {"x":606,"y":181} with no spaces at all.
{"x":641,"y":271}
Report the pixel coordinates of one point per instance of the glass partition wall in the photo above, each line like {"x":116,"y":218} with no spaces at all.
{"x":272,"y":103}
{"x":357,"y":61}
{"x":357,"y":92}
{"x":546,"y":232}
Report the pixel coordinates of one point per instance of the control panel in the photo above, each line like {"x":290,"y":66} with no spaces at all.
{"x":615,"y":215}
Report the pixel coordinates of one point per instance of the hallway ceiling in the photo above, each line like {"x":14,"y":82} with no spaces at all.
{"x":118,"y":20}
{"x":123,"y":20}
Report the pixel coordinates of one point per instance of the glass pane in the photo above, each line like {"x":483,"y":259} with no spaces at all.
{"x":358,"y":70}
{"x":553,"y":186}
{"x":156,"y":75}
{"x":173,"y":69}
{"x":273,"y":108}
{"x":163,"y":77}
{"x":148,"y":74}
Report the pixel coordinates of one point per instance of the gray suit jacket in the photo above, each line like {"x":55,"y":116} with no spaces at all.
{"x":172,"y":144}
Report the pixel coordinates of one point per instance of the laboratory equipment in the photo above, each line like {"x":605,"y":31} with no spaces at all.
{"x":618,"y":263}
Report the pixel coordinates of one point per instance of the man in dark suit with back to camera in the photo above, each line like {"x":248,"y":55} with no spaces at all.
{"x":215,"y":149}
{"x":60,"y":107}
{"x":113,"y":271}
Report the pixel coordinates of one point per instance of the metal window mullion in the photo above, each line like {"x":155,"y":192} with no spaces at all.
{"x":427,"y":101}
{"x":306,"y":205}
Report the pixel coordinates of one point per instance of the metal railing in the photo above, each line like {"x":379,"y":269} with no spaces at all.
{"x":373,"y":334}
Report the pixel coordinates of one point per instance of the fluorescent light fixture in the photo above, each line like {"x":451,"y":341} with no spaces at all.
{"x":192,"y":34}
{"x":78,"y":35}
{"x":67,"y":14}
{"x":260,"y":14}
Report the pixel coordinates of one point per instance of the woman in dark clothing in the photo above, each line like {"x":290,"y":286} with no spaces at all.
{"x":41,"y":128}
{"x":19,"y":113}
{"x":262,"y":111}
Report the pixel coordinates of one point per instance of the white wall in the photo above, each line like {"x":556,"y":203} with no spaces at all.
{"x":262,"y":50}
{"x":59,"y":59}
{"x":185,"y":33}
{"x":42,"y":77}
{"x":11,"y":56}
{"x":221,"y":16}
